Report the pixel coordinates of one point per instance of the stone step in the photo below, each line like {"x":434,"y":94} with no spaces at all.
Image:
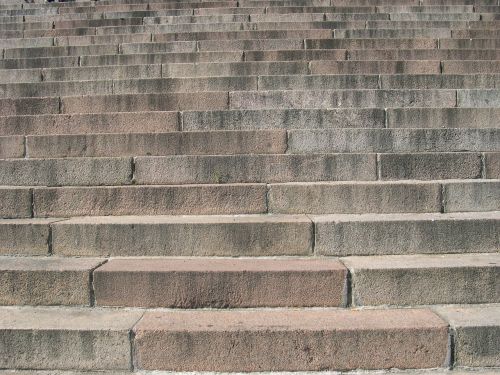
{"x":404,"y":234}
{"x":107,"y":336}
{"x":475,"y":333}
{"x":409,"y":280}
{"x":333,"y":118}
{"x":251,"y":142}
{"x":86,"y":339}
{"x":221,"y":283}
{"x":275,"y":340}
{"x":353,"y":32}
{"x":240,"y":235}
{"x":419,"y":54}
{"x":337,"y":55}
{"x":282,"y":198}
{"x":271,"y":85}
{"x":391,"y":140}
{"x":47,"y":280}
{"x":323,"y":99}
{"x":150,"y":200}
{"x":161,"y":122}
{"x":249,"y":235}
{"x":173,"y":143}
{"x":383,"y":197}
{"x":124,"y":122}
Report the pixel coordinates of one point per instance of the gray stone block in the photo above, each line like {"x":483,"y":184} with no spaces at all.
{"x":254,"y":168}
{"x":442,"y":117}
{"x":354,"y":198}
{"x":478,"y":98}
{"x":409,"y":280}
{"x":429,"y":166}
{"x":15,"y":203}
{"x":248,"y":235}
{"x":470,"y":196}
{"x":405,"y":234}
{"x":57,"y":172}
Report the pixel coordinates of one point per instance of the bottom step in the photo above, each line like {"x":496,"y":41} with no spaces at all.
{"x":57,"y":338}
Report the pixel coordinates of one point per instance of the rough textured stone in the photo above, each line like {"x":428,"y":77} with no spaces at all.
{"x":25,"y":236}
{"x":290,"y":340}
{"x":150,"y":200}
{"x":242,"y":235}
{"x":476,"y":333}
{"x":11,"y":147}
{"x":326,"y":99}
{"x":28,"y":106}
{"x":57,"y":172}
{"x":442,"y":117}
{"x":82,"y":339}
{"x":253,"y":168}
{"x":46,"y":281}
{"x":478,"y":98}
{"x":374,"y":67}
{"x":220,"y":283}
{"x":283,"y":119}
{"x":340,"y":197}
{"x":470,"y":196}
{"x":145,"y":102}
{"x":175,"y":143}
{"x":429,"y":166}
{"x":408,"y":280}
{"x":393,"y":234}
{"x":15,"y":203}
{"x":118,"y":122}
{"x":393,"y":140}
{"x":102,"y":72}
{"x":492,"y":164}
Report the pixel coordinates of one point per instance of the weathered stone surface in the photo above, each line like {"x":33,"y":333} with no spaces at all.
{"x":28,"y":106}
{"x":46,"y":281}
{"x":492,"y":164}
{"x":476,"y":333}
{"x":220,"y":283}
{"x":174,"y":143}
{"x":102,"y":73}
{"x":15,"y":203}
{"x":184,"y":85}
{"x":242,"y":235}
{"x":150,"y":200}
{"x":25,"y":236}
{"x":408,"y":280}
{"x":392,"y":234}
{"x":253,"y":168}
{"x":393,"y":140}
{"x":82,"y":339}
{"x":478,"y":98}
{"x":470,"y":196}
{"x":234,"y":69}
{"x":429,"y":166}
{"x":362,"y":197}
{"x":118,"y":122}
{"x":283,"y":119}
{"x":326,"y":99}
{"x":275,"y":340}
{"x":318,"y":82}
{"x":145,"y":102}
{"x":442,"y":117}
{"x":374,"y":67}
{"x":59,"y":172}
{"x":11,"y":147}
{"x":371,"y":43}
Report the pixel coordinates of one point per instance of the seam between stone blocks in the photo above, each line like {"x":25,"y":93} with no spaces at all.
{"x":91,"y":283}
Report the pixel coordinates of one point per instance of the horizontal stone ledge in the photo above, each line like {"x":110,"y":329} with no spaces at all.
{"x":399,"y":234}
{"x":409,"y":280}
{"x":86,"y":339}
{"x":150,"y":200}
{"x":275,"y":340}
{"x":46,"y":280}
{"x":221,"y":282}
{"x":240,"y":235}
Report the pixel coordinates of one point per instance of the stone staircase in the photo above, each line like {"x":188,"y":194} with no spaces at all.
{"x":250,"y":186}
